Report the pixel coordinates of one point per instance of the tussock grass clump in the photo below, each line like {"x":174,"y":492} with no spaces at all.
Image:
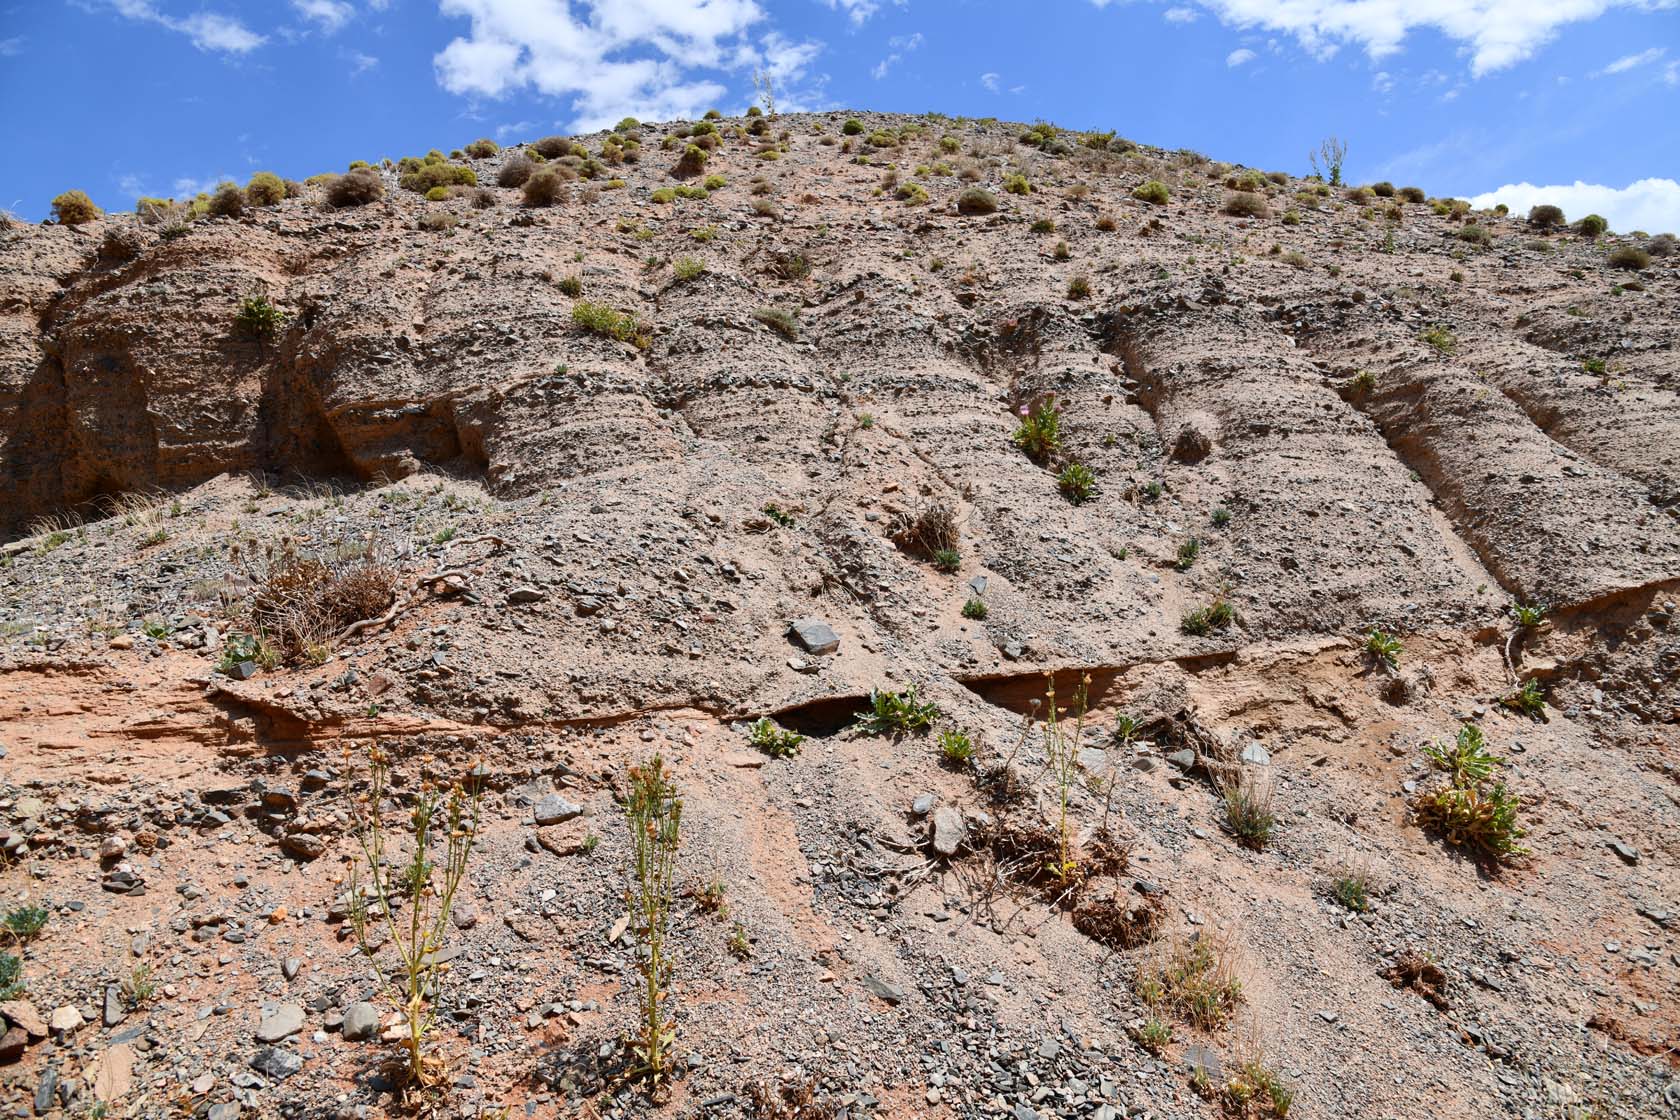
{"x":1630,"y":258}
{"x":1247,"y":801}
{"x":1217,"y":615}
{"x":926,"y":529}
{"x":780,"y":320}
{"x":1194,"y":979}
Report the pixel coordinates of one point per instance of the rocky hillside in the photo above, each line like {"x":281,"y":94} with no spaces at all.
{"x":529,"y":483}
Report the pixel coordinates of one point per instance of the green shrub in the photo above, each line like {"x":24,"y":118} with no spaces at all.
{"x":571,"y":285}
{"x":24,"y":923}
{"x":1593,"y":226}
{"x":1154,"y":191}
{"x":1412,"y":194}
{"x":265,"y":189}
{"x":1188,"y":551}
{"x":1245,"y":204}
{"x":483,"y":148}
{"x":552,"y":147}
{"x":438,"y":194}
{"x":1529,"y":699}
{"x":853,"y":127}
{"x":687,"y":268}
{"x":913,"y":193}
{"x":1442,"y":339}
{"x":1217,"y":615}
{"x":515,"y":170}
{"x":716,"y":182}
{"x":1383,"y":190}
{"x":975,"y":609}
{"x":897,"y":713}
{"x":1247,"y":800}
{"x":1468,"y":812}
{"x":693,"y":161}
{"x":1529,"y":615}
{"x":1545,"y":217}
{"x":431,"y":175}
{"x":976,"y":200}
{"x":72,"y":208}
{"x":12,"y":984}
{"x":1017,"y":184}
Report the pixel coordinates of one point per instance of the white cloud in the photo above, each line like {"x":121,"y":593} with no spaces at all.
{"x":613,"y":58}
{"x":1179,"y":15}
{"x":330,"y":15}
{"x":1496,"y":33}
{"x":1239,"y":56}
{"x":1671,"y":73}
{"x":188,"y":187}
{"x":1652,"y":205}
{"x":990,"y":81}
{"x":1630,"y":61}
{"x":900,"y":45}
{"x":1382,"y":81}
{"x":360,"y":63}
{"x":208,"y":31}
{"x":12,"y":46}
{"x":858,"y":10}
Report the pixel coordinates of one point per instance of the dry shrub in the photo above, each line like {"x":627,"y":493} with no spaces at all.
{"x":515,"y":170}
{"x":793,"y":1100}
{"x":1245,"y":204}
{"x":926,"y":529}
{"x":228,"y":201}
{"x":544,"y":188}
{"x":553,"y":147}
{"x":356,"y":188}
{"x":303,"y":602}
{"x":1120,"y":921}
{"x":1195,"y":978}
{"x":1419,"y":972}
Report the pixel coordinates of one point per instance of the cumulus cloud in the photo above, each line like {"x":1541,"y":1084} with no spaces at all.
{"x":1496,"y":33}
{"x":1652,"y":205}
{"x":329,"y":15}
{"x":208,"y":31}
{"x":1239,"y":56}
{"x":613,"y":58}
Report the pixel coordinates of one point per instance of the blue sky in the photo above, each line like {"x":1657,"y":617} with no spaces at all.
{"x":1576,"y":101}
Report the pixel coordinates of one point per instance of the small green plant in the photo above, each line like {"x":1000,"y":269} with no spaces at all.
{"x":738,"y":943}
{"x":1079,"y":287}
{"x":571,"y":285}
{"x":12,"y":983}
{"x":258,"y":318}
{"x":947,"y":560}
{"x":1217,"y":615}
{"x":777,"y":742}
{"x":1351,"y":887}
{"x":24,"y":923}
{"x":139,"y":987}
{"x":1467,"y":811}
{"x":410,"y":896}
{"x":1528,"y":615}
{"x":1383,"y":648}
{"x":688,"y":268}
{"x":1221,"y":517}
{"x":1154,"y":1035}
{"x":1017,"y":184}
{"x":1595,"y":366}
{"x":1187,"y":553}
{"x":1362,"y":383}
{"x":653,"y":812}
{"x":956,"y":749}
{"x":155,"y":629}
{"x":1077,"y":483}
{"x":779,"y":515}
{"x":1040,"y":430}
{"x":1442,"y":339}
{"x":975,"y":609}
{"x":1255,"y":1090}
{"x":241,"y":647}
{"x":897,"y":713}
{"x":1529,"y":699}
{"x":866,"y":420}
{"x":1152,"y":490}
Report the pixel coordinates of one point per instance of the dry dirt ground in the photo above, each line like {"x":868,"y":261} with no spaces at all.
{"x":1361,"y":418}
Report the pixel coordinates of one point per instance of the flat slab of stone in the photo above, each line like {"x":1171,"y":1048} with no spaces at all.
{"x":814,"y":636}
{"x":554,"y":809}
{"x":283,"y":1022}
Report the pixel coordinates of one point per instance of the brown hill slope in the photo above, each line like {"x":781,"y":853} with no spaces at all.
{"x":1340,"y":417}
